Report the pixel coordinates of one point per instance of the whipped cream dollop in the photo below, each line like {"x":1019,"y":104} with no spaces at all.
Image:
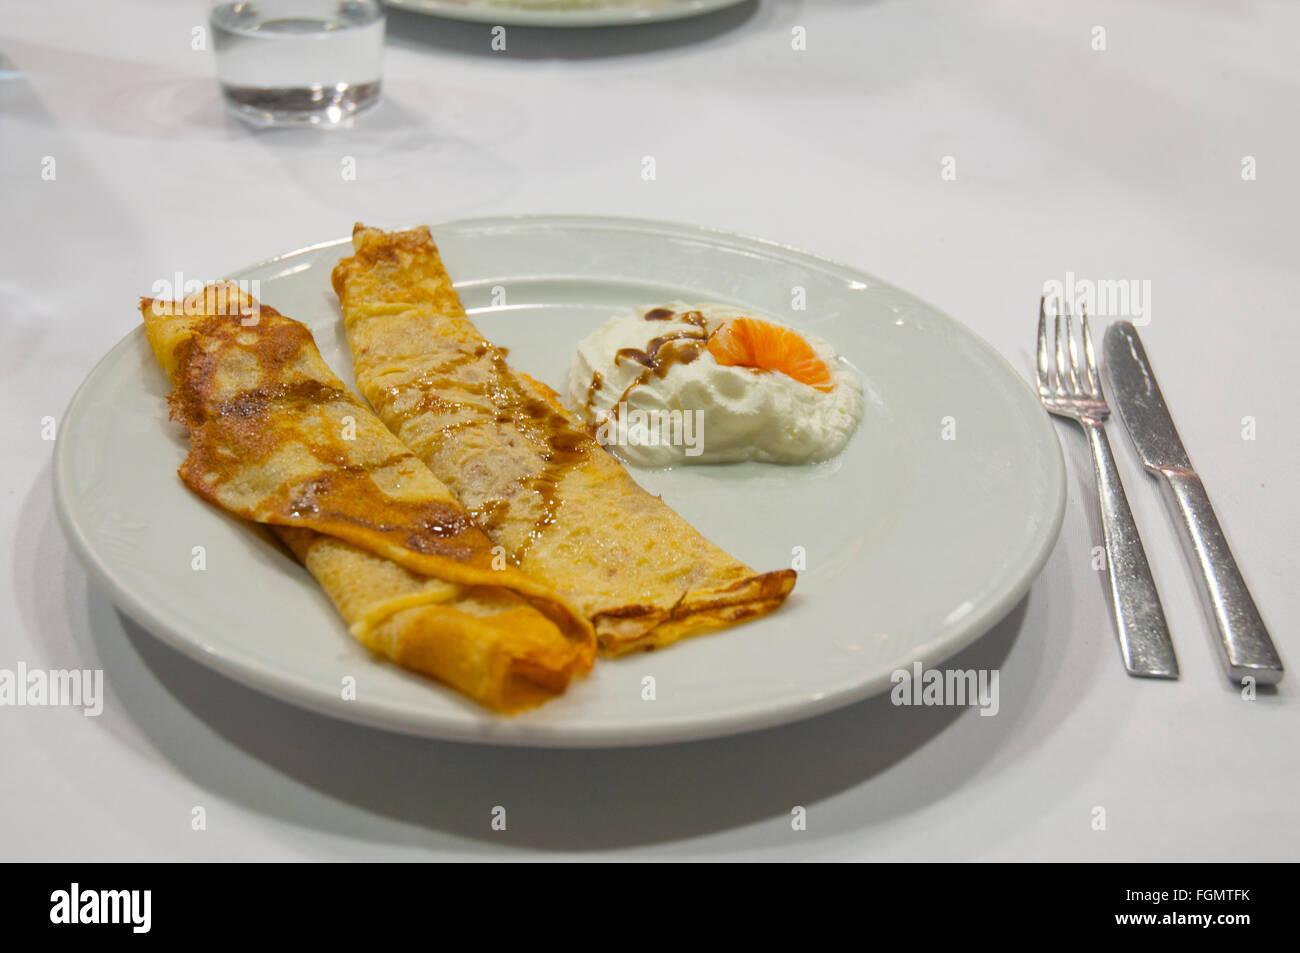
{"x":649,"y":385}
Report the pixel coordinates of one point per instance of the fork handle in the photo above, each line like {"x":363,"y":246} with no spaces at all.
{"x":1247,"y":648}
{"x":1139,"y":618}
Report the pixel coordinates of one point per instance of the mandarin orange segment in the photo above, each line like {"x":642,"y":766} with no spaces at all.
{"x":748,"y":342}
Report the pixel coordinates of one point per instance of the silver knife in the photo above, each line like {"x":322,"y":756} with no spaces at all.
{"x":1247,"y":648}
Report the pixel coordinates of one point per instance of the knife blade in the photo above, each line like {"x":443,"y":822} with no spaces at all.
{"x":1247,"y":648}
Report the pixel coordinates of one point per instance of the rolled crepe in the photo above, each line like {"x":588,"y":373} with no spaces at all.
{"x":536,"y":480}
{"x":275,"y":437}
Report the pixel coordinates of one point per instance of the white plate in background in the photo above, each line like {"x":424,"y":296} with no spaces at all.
{"x":576,"y":13}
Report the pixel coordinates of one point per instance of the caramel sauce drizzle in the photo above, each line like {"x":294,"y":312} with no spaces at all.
{"x":659,"y":355}
{"x":425,"y":526}
{"x":227,"y":435}
{"x":559,"y":444}
{"x":592,"y":388}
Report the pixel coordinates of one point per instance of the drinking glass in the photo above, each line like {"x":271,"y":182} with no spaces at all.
{"x":295,"y":62}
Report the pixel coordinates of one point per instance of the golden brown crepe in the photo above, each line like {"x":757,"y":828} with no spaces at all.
{"x":275,"y":437}
{"x":537,"y":482}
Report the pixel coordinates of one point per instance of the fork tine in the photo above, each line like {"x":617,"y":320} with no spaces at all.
{"x":1044,"y":372}
{"x":1094,"y":378}
{"x":1074,"y":353}
{"x":1060,"y":352}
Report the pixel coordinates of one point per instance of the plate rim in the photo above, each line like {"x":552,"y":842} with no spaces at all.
{"x":286,"y":686}
{"x":560,"y":18}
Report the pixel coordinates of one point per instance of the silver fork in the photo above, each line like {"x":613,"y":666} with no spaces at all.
{"x":1139,"y":618}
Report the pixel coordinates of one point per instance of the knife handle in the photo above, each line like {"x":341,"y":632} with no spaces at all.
{"x":1139,"y":618}
{"x":1247,"y":647}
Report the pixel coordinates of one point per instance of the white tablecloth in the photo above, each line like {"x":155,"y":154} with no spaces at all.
{"x":1128,"y":162}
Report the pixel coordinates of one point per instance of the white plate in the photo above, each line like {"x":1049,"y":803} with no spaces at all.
{"x":915,"y":545}
{"x":575,"y":14}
